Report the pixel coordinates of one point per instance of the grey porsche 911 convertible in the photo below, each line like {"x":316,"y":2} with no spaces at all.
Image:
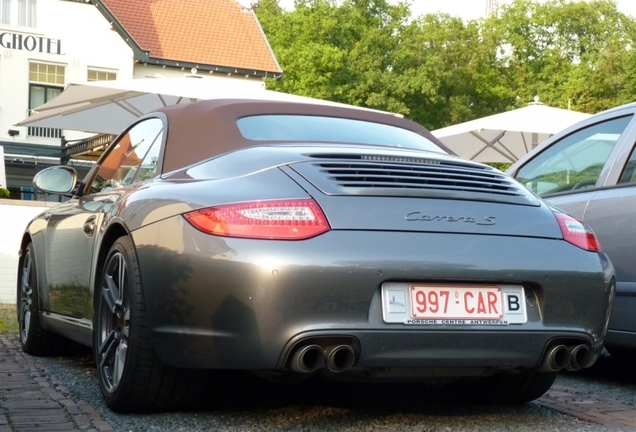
{"x":304,"y":241}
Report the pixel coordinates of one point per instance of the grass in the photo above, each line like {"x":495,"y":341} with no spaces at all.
{"x":8,"y":319}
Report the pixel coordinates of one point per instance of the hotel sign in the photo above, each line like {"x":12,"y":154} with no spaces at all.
{"x":31,"y":43}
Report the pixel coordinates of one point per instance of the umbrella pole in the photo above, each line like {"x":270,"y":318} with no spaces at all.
{"x":491,"y":144}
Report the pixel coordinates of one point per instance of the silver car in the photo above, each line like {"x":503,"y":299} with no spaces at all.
{"x":589,"y":171}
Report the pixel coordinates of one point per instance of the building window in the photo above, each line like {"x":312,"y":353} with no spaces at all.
{"x":101,"y":75}
{"x":27,"y":13}
{"x":47,"y":73}
{"x":5,"y":11}
{"x":46,"y":82}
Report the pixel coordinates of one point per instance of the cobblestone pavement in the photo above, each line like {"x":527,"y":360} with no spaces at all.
{"x":597,"y":409}
{"x":31,"y":399}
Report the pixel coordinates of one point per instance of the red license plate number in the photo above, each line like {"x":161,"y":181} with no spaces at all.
{"x":435,"y":302}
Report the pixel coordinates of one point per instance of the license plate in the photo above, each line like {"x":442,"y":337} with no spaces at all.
{"x":437,"y":302}
{"x":440,"y":304}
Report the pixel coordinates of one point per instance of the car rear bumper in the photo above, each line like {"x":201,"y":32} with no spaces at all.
{"x":461,"y":349}
{"x":227,"y":303}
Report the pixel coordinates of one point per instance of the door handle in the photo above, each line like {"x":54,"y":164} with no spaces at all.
{"x":89,"y":226}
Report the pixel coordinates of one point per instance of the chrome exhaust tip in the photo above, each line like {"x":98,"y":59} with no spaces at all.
{"x":308,"y":359}
{"x":580,"y":357}
{"x":557,"y":358}
{"x":340,"y":358}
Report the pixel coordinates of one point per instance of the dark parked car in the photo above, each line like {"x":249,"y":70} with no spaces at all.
{"x":301,"y":240}
{"x":588,"y":170}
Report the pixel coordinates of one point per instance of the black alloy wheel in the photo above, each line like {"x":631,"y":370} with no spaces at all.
{"x":131,"y":376}
{"x":33,"y":338}
{"x":113,"y":321}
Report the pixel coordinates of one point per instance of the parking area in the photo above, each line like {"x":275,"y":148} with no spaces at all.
{"x":33,"y":399}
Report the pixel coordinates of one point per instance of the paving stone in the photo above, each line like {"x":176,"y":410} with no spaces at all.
{"x":606,"y":411}
{"x":33,"y":400}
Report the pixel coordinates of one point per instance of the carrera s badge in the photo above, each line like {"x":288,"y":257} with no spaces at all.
{"x":419,"y":217}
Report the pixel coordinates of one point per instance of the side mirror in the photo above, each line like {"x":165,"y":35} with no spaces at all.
{"x":59,"y":180}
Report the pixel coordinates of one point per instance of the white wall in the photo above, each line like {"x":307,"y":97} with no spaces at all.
{"x":14,"y":217}
{"x":86,"y":41}
{"x":152,"y":71}
{"x":3,"y":174}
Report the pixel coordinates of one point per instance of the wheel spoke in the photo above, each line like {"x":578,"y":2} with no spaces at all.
{"x":119,"y":362}
{"x":110,"y":293}
{"x":26,"y":274}
{"x":114,"y":280}
{"x":25,"y":315}
{"x":26,"y":324}
{"x":107,"y":350}
{"x":122,"y":275}
{"x":26,"y":293}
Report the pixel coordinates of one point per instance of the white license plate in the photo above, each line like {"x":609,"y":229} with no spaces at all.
{"x":430,"y":304}
{"x":437,"y":302}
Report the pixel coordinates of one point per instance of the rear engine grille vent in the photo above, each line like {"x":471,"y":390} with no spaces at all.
{"x":416,"y":174}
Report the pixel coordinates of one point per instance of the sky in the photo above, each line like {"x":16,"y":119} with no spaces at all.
{"x":469,"y":9}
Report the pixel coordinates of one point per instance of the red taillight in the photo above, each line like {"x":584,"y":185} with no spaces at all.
{"x":578,"y":233}
{"x":276,"y":220}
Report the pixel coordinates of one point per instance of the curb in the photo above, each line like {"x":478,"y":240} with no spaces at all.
{"x":608,"y":412}
{"x":33,"y":399}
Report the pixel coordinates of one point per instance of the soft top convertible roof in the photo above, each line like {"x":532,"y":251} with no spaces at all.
{"x":201,"y":130}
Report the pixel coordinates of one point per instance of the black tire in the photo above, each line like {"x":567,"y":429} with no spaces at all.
{"x":515,"y":388}
{"x":131,"y":376}
{"x":34,"y":339}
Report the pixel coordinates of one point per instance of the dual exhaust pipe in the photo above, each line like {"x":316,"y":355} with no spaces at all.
{"x":571,"y":358}
{"x":339,"y":358}
{"x":310,"y":358}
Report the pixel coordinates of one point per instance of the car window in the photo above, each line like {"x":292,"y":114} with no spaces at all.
{"x":132,"y":159}
{"x":148,"y":167}
{"x":305,"y":128}
{"x":629,"y":173}
{"x":576,"y":161}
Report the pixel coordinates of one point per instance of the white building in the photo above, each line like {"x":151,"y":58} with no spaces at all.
{"x":47,"y":44}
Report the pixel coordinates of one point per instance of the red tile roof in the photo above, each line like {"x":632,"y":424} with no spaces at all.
{"x":210,"y":32}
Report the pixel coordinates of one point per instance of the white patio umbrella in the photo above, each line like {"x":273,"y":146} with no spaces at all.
{"x":507,"y":136}
{"x":110,"y":106}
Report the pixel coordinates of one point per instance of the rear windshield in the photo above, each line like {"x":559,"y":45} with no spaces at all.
{"x":303,"y":128}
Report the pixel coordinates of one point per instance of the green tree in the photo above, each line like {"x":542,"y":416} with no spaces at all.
{"x":446,"y":72}
{"x":571,"y":54}
{"x":341,"y":51}
{"x":439,"y":70}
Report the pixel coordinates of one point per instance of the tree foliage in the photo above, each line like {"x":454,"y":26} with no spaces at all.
{"x":572,"y":54}
{"x":439,"y":70}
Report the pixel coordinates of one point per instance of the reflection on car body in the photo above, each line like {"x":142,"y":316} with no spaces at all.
{"x":303,"y":241}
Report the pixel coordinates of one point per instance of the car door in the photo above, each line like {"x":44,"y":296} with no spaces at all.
{"x":612,"y":215}
{"x":74,"y":228}
{"x":68,"y":256}
{"x":591,"y":173}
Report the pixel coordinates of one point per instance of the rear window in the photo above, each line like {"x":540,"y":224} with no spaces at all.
{"x":303,"y":128}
